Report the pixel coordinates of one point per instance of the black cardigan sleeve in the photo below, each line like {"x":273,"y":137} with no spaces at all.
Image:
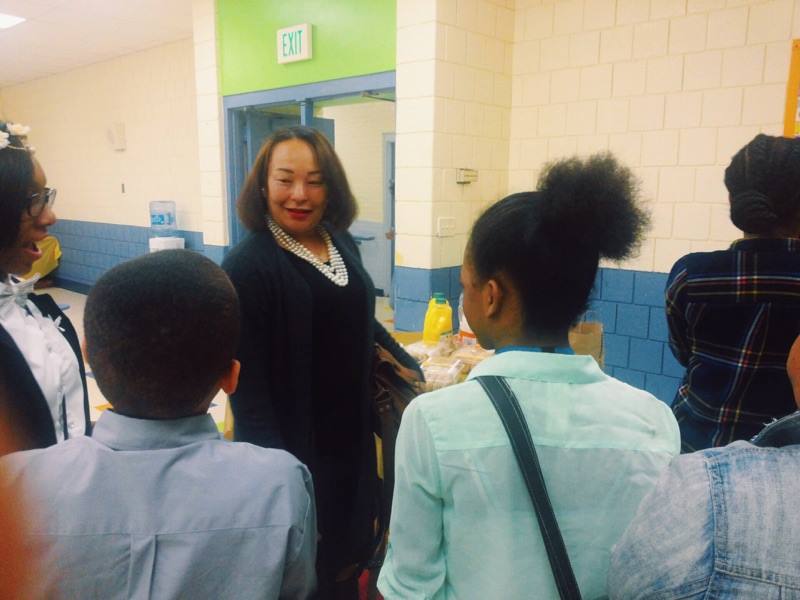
{"x":385,"y":339}
{"x":380,"y":335}
{"x":255,"y":418}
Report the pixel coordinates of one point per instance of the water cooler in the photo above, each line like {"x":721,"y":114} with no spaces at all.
{"x":163,"y":229}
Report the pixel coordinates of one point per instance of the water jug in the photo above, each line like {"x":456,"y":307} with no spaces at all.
{"x":162,"y":218}
{"x":438,"y":320}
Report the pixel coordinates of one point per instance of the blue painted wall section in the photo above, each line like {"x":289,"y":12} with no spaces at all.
{"x":629,"y":303}
{"x":631,"y":306}
{"x":90,"y":249}
{"x":215,"y":253}
{"x":414,"y":287}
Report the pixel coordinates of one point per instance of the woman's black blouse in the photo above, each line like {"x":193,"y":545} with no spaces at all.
{"x":293,"y":388}
{"x":337,"y":336}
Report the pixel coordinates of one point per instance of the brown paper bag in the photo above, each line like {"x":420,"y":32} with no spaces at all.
{"x":587,"y":338}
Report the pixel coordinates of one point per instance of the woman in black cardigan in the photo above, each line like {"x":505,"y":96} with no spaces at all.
{"x":45,"y":399}
{"x":307,"y":342}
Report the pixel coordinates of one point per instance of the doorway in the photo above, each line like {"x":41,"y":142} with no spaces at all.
{"x":357,"y":116}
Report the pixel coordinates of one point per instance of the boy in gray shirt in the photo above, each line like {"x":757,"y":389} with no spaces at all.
{"x":155,"y":504}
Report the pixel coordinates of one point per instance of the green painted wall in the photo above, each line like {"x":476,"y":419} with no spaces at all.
{"x":350,"y":37}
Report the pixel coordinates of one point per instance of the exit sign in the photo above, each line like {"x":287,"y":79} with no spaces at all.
{"x":294,"y":43}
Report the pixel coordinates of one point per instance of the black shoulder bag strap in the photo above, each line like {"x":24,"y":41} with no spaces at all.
{"x":507,"y":406}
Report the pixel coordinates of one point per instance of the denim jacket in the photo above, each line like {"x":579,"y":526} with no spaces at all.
{"x":721,"y":523}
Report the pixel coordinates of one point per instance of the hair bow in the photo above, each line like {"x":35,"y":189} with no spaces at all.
{"x":18,"y":290}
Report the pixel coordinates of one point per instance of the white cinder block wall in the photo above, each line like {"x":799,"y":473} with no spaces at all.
{"x":359,"y":145}
{"x":673,"y":87}
{"x":454,"y":60}
{"x":213,"y":208}
{"x":153,"y":94}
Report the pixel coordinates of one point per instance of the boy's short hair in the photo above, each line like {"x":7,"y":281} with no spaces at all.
{"x":160,"y":332}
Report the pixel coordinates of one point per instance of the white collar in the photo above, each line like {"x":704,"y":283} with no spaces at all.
{"x":17,"y":289}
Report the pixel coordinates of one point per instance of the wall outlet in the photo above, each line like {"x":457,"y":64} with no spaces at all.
{"x":446,"y":226}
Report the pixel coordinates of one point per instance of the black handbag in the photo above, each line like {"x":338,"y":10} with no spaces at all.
{"x":507,"y":406}
{"x":393,"y":388}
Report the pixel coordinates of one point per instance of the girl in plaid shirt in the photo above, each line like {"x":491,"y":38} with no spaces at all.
{"x":733,"y":314}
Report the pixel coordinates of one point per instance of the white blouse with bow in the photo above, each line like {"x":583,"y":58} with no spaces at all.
{"x":49,"y":356}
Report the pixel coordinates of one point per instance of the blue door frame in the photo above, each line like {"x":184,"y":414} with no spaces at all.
{"x":305,"y":95}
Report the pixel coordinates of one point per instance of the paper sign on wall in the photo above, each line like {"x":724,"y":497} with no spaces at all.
{"x":294,"y":43}
{"x":791,"y":116}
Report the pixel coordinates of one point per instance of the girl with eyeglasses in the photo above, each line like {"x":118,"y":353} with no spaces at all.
{"x":40,"y":358}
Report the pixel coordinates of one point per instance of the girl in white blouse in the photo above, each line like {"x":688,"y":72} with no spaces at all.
{"x":45,"y":399}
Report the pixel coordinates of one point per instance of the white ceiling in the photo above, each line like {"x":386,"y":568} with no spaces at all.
{"x":60,"y":35}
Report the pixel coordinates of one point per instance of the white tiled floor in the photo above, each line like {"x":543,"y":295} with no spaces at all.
{"x":97,"y":403}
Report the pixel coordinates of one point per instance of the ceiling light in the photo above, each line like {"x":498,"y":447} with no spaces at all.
{"x":7,"y":21}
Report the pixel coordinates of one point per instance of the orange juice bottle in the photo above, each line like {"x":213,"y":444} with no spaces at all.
{"x":438,"y":320}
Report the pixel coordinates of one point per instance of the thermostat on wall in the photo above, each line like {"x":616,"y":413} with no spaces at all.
{"x":466,"y":175}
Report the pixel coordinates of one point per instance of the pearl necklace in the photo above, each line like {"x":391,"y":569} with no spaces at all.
{"x":336,"y":271}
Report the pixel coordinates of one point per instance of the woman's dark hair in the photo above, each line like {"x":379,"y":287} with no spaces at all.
{"x":341,"y":208}
{"x":549,"y":242}
{"x":16,"y":179}
{"x":763,"y":181}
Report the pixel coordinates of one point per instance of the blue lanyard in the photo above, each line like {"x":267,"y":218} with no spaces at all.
{"x":556,"y":350}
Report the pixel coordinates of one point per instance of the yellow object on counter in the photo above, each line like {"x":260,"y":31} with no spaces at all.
{"x":438,"y":320}
{"x":51,"y":252}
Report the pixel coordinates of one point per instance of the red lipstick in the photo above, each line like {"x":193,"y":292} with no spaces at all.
{"x":298,"y":214}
